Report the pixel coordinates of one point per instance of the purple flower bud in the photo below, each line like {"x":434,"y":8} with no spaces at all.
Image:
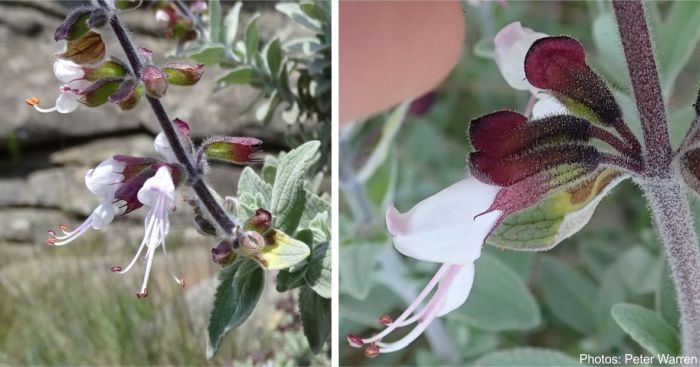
{"x":155,"y":81}
{"x":223,"y":253}
{"x":252,"y":242}
{"x":74,"y":26}
{"x":260,"y":222}
{"x":183,"y":74}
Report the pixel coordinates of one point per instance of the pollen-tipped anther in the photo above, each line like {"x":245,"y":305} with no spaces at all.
{"x":142,"y":293}
{"x":372,"y":351}
{"x":33,"y":101}
{"x":355,"y":341}
{"x":116,"y":269}
{"x":385,"y":320}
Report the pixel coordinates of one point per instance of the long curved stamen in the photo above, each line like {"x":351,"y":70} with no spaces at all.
{"x":170,"y":266}
{"x":433,"y":309}
{"x":150,"y":222}
{"x":69,"y":236}
{"x":156,"y":237}
{"x":423,"y":294}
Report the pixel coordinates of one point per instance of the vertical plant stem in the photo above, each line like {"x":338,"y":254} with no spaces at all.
{"x":661,"y":182}
{"x":215,"y":210}
{"x":645,"y":83}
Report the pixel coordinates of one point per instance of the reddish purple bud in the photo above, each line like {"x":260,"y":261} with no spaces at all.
{"x":355,"y":341}
{"x":506,"y":171}
{"x":223,"y":253}
{"x":252,"y":242}
{"x":559,"y":64}
{"x":421,"y":105}
{"x":260,"y":222}
{"x":154,"y":81}
{"x":504,"y":132}
{"x":182,"y":127}
{"x":238,"y":150}
{"x":183,"y":74}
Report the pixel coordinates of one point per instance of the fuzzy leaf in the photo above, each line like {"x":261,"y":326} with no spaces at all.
{"x":252,"y":38}
{"x":231,"y":23}
{"x":215,"y":20}
{"x":647,"y":328}
{"x":569,"y":295}
{"x":315,"y":317}
{"x":359,"y":261}
{"x":499,"y":299}
{"x":208,"y":55}
{"x":87,"y":49}
{"x":287,"y":279}
{"x":318,"y":275}
{"x":288,"y":194}
{"x":240,"y":287}
{"x":239,"y":75}
{"x":274,"y":57}
{"x":551,"y":221}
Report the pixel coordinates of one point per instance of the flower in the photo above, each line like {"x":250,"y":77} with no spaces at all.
{"x":124,"y":184}
{"x":512,"y":44}
{"x":72,"y":75}
{"x":446,"y":228}
{"x":158,"y":194}
{"x":103,"y":181}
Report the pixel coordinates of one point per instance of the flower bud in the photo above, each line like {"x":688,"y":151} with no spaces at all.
{"x":154,"y":81}
{"x":110,"y":68}
{"x":223,"y":253}
{"x":260,"y":222}
{"x":252,"y":242}
{"x":128,"y":94}
{"x":234,"y":149}
{"x":183,"y":74}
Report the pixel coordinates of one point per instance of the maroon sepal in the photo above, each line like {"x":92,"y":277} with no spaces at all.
{"x":155,"y":81}
{"x":260,"y":222}
{"x":504,"y":132}
{"x":558,"y":64}
{"x":508,"y":170}
{"x":182,"y":129}
{"x":127,"y":96}
{"x":136,"y":171}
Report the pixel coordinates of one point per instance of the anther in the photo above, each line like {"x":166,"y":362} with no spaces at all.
{"x":51,"y":241}
{"x":385,"y":320}
{"x":52,"y":232}
{"x":181,"y":282}
{"x":355,"y":341}
{"x":62,"y":227}
{"x":116,"y":269}
{"x":142,"y":294}
{"x":32,"y":101}
{"x":372,"y":351}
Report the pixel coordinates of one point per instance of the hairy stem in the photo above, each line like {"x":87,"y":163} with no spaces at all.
{"x":195,"y":180}
{"x":673,"y":221}
{"x":645,"y":83}
{"x":661,"y":182}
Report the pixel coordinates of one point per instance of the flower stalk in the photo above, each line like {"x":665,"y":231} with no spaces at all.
{"x":217,"y":213}
{"x":660,"y":180}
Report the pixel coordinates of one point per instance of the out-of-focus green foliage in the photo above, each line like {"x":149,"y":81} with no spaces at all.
{"x":531,"y":308}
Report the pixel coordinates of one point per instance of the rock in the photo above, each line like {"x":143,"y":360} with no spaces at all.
{"x":94,"y":152}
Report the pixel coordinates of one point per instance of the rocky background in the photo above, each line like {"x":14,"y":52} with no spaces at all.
{"x":43,"y":160}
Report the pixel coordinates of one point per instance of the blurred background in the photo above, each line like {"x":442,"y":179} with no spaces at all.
{"x":558,"y":301}
{"x":63,"y":306}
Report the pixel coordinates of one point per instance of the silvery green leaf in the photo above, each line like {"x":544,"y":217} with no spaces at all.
{"x":231,"y":23}
{"x":215,"y":20}
{"x":240,"y":287}
{"x":647,"y":328}
{"x":294,"y":12}
{"x":288,"y":195}
{"x":527,"y":357}
{"x":318,"y":273}
{"x":315,"y":317}
{"x":240,"y":75}
{"x":357,"y":269}
{"x":252,"y":38}
{"x":568,"y":294}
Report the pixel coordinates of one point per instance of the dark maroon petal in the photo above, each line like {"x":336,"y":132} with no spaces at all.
{"x":504,"y":133}
{"x":125,"y":92}
{"x":182,"y":127}
{"x":261,"y":221}
{"x":134,"y":165}
{"x":130,"y":188}
{"x":558,"y":64}
{"x":506,"y":171}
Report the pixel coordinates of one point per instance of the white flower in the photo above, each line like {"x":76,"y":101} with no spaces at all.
{"x":548,"y":106}
{"x":71,"y":74}
{"x":445,"y":228}
{"x":158,"y":194}
{"x":162,"y":146}
{"x":512,"y":44}
{"x":103,"y":181}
